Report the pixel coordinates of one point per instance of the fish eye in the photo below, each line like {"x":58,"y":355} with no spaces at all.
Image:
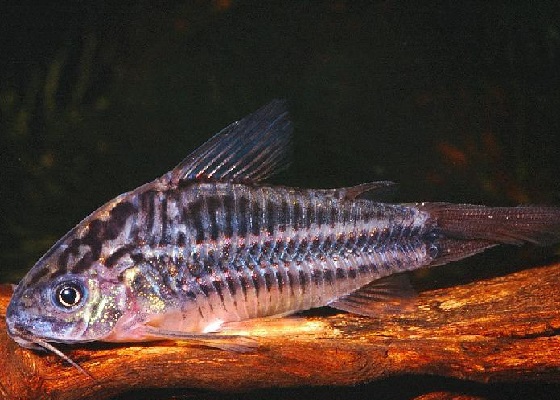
{"x":68,"y":295}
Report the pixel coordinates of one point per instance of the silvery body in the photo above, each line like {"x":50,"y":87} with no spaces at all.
{"x":209,"y":243}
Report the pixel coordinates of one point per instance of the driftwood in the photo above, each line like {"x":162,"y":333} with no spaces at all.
{"x":504,"y":329}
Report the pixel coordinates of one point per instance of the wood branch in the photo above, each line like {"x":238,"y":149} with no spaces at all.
{"x":498,"y":330}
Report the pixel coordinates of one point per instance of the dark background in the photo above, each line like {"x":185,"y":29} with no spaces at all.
{"x":455,"y":101}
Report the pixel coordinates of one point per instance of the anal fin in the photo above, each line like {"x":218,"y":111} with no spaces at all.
{"x":391,"y":294}
{"x":454,"y":250}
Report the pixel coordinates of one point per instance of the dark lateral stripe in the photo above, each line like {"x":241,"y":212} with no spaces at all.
{"x":320,"y":215}
{"x":164,"y":222}
{"x":298,"y":216}
{"x":181,"y":239}
{"x":117,"y":219}
{"x":303,"y":281}
{"x":309,"y":216}
{"x":270,"y":217}
{"x":268,"y":280}
{"x":255,"y":218}
{"x":284,"y":214}
{"x":362,"y":241}
{"x":243,"y":216}
{"x":94,"y":238}
{"x":280,"y":280}
{"x":317,"y":276}
{"x":229,"y":209}
{"x":232,"y":287}
{"x":332,"y":216}
{"x":214,"y":207}
{"x":196,"y":269}
{"x":291,"y":282}
{"x":149,"y":208}
{"x":219,"y":288}
{"x":244,"y":283}
{"x":340,"y":273}
{"x":256,"y":283}
{"x":365,"y":269}
{"x":328,"y":276}
{"x":192,"y":213}
{"x":205,"y":289}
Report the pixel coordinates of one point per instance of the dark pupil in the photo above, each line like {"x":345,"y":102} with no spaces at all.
{"x":69,"y":296}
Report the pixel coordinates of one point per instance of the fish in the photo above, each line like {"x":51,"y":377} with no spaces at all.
{"x":210,"y":243}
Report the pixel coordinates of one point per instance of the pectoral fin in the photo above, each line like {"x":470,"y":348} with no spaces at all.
{"x":235,"y":343}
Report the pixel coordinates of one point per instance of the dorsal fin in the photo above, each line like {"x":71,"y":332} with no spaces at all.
{"x":251,"y":149}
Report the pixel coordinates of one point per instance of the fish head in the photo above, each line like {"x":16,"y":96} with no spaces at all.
{"x":70,"y":295}
{"x":72,"y":308}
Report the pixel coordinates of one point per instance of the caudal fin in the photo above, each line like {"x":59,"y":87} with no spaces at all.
{"x":512,"y":225}
{"x":465,"y":229}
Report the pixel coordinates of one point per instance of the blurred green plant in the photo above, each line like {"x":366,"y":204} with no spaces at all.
{"x":44,"y":130}
{"x":443,"y":99}
{"x":61,"y":144}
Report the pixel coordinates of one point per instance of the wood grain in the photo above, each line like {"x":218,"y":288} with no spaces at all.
{"x":504,"y":329}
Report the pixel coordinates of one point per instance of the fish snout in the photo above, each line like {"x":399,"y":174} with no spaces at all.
{"x":18,"y":323}
{"x":19,"y":333}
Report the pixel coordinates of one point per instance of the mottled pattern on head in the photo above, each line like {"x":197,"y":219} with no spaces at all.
{"x":84,"y":244}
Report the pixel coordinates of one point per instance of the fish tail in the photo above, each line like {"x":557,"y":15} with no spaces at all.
{"x":465,"y":229}
{"x":512,"y":225}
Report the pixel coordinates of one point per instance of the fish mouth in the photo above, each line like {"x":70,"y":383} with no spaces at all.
{"x":18,"y":332}
{"x":26,"y":339}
